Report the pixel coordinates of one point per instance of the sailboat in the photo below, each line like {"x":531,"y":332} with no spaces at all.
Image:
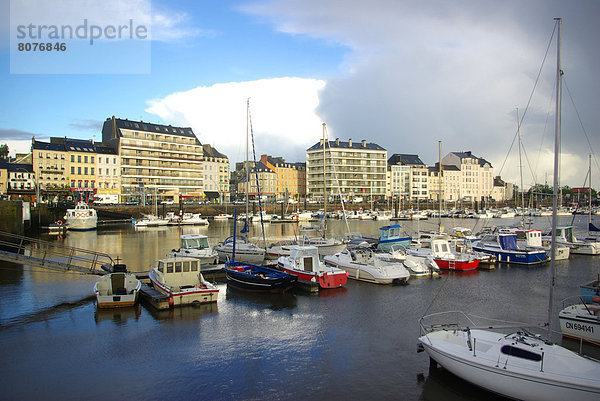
{"x":326,"y":246}
{"x":237,"y":245}
{"x":518,"y":365}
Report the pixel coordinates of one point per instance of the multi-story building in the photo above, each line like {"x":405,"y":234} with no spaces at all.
{"x":266,"y":178}
{"x":476,"y":175}
{"x":156,"y":160}
{"x":216,"y":174}
{"x":50,"y":164}
{"x":288,"y":176}
{"x":414,"y":185}
{"x":357,"y":169}
{"x":20,"y":181}
{"x":108,"y":170}
{"x":81,"y":167}
{"x":3,"y":176}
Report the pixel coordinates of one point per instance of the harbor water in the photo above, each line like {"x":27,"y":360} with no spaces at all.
{"x":354,"y":343}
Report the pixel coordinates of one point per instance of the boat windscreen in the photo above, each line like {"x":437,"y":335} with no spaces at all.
{"x":508,"y":242}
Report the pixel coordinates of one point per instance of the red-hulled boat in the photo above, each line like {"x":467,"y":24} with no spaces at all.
{"x":446,"y":257}
{"x":305,"y":264}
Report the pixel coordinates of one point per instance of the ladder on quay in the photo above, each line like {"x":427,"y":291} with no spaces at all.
{"x":50,"y":255}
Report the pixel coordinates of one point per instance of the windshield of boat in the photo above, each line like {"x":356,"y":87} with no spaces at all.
{"x":195,"y":243}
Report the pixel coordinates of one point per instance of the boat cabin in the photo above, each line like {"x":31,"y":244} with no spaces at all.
{"x":390,"y":232}
{"x":179,"y":272}
{"x":529,"y":237}
{"x":194,"y":241}
{"x":306,"y":258}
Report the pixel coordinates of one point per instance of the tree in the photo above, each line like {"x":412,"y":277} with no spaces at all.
{"x":4,"y":151}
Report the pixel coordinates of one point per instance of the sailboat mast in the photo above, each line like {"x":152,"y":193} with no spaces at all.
{"x":521,"y":169}
{"x":590,"y":204}
{"x":247,"y":170}
{"x":440,"y":185}
{"x":557,"y":125}
{"x":324,"y":187}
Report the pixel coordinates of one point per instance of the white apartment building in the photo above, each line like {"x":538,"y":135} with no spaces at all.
{"x":215,"y":174}
{"x":476,"y":180}
{"x":351,"y":168}
{"x":416,"y":184}
{"x":156,"y":160}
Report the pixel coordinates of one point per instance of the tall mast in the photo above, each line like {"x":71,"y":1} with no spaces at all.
{"x":247,"y":169}
{"x":521,"y":169}
{"x":324,"y":186}
{"x":557,"y":124}
{"x":590,"y":205}
{"x":440,"y":185}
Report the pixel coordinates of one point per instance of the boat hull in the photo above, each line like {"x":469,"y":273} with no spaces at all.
{"x":524,"y":258}
{"x":188,"y":297}
{"x":581,"y":322}
{"x":116,"y":301}
{"x":464,"y":265}
{"x":500,"y":377}
{"x":257,"y":278}
{"x":324,"y":280}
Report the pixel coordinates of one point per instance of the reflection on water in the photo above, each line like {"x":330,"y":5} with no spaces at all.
{"x":354,"y":343}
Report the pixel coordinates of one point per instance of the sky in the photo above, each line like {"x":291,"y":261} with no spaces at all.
{"x":401,"y":74}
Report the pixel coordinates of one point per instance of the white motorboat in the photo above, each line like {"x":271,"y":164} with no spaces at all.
{"x":518,"y":365}
{"x":305,"y":264}
{"x":416,"y":265}
{"x":82,"y":218}
{"x":280,"y":248}
{"x":362,"y":264}
{"x":151,"y":221}
{"x":118,"y":289}
{"x":245,"y":251}
{"x":196,"y":246}
{"x":566,"y":236}
{"x":223,"y":216}
{"x":180,"y":279}
{"x":581,"y":321}
{"x":193,"y":219}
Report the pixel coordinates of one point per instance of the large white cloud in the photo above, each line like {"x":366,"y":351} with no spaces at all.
{"x":283,"y":115}
{"x":419,"y":72}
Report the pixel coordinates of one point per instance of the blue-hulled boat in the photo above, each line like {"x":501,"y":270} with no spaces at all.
{"x":249,"y":277}
{"x":504,"y":247}
{"x":392,"y":235}
{"x":590,"y":290}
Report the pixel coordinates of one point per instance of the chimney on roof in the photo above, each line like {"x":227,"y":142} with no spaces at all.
{"x":364,"y":143}
{"x":350,"y":142}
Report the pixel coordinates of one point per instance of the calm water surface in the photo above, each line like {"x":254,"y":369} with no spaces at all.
{"x":353,"y":343}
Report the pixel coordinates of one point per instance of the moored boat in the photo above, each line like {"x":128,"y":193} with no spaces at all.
{"x":248,"y":277}
{"x":362,"y":264}
{"x":181,"y":280}
{"x":245,"y":251}
{"x":118,"y":289}
{"x":445,"y":257}
{"x":392,"y":235}
{"x":81,"y":218}
{"x":581,"y":320}
{"x":196,"y":246}
{"x":305,"y":264}
{"x":504,"y":247}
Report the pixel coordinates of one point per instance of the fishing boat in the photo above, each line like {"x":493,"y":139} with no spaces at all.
{"x":520,"y":364}
{"x":249,"y":277}
{"x":180,"y":279}
{"x":361,"y":264}
{"x":304,"y":262}
{"x":392,"y":235}
{"x":504,"y":247}
{"x":196,"y":246}
{"x":445,"y":256}
{"x":118,"y":289}
{"x":81,"y":218}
